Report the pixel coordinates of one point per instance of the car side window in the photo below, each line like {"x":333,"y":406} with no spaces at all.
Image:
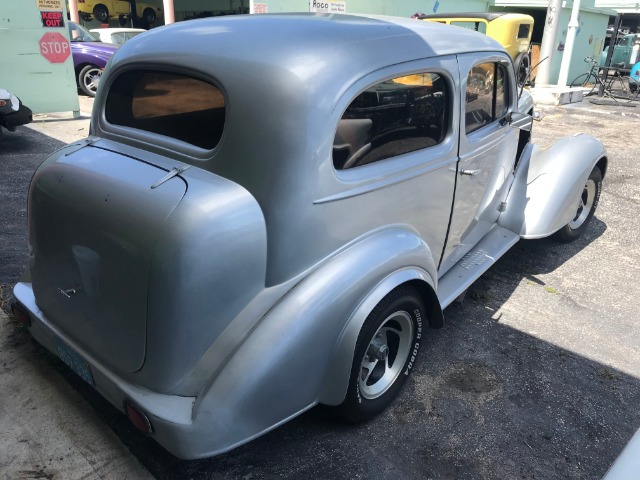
{"x":486,"y":95}
{"x":396,"y":116}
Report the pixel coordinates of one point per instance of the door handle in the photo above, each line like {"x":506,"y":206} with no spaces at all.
{"x":469,"y":172}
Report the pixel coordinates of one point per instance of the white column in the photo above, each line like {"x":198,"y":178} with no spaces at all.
{"x":548,"y":48}
{"x":568,"y":46}
{"x":169,"y":12}
{"x":73,"y":11}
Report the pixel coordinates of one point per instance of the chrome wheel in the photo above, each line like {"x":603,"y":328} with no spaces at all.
{"x":585,"y":202}
{"x":386,"y":355}
{"x":89,"y":79}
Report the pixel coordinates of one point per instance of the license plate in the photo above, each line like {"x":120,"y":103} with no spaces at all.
{"x":74,"y":361}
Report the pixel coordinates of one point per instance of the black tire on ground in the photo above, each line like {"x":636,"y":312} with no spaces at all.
{"x":88,"y":79}
{"x":523,"y":64}
{"x":587,"y":204}
{"x":385,"y":353}
{"x":149,"y":16}
{"x":585,"y":80}
{"x":101,"y":13}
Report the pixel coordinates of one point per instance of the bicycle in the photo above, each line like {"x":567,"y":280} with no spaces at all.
{"x":613,"y":85}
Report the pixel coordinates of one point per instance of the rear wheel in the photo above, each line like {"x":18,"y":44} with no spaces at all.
{"x":587,"y":204}
{"x":149,"y":16}
{"x":88,"y":79}
{"x":385,"y":353}
{"x":101,"y":13}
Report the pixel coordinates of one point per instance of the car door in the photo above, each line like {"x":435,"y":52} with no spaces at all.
{"x":486,"y":153}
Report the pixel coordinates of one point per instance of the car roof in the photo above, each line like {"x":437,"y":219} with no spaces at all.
{"x":117,"y":30}
{"x":325,"y":45}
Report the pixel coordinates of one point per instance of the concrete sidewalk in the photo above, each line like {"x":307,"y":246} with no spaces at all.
{"x":47,"y":430}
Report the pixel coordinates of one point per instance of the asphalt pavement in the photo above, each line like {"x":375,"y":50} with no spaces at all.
{"x":536,"y":374}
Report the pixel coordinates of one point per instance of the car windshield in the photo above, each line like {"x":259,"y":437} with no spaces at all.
{"x":77,"y":33}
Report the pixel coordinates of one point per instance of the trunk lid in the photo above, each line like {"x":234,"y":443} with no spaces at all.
{"x":93,"y":224}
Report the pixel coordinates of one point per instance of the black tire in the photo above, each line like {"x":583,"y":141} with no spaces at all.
{"x":588,"y":203}
{"x":101,"y":13}
{"x":585,"y":80}
{"x":523,"y":64}
{"x":149,"y":16}
{"x":88,"y":79}
{"x":396,"y":324}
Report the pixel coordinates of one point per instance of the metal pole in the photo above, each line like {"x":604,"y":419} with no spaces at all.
{"x":612,"y":43}
{"x":563,"y":77}
{"x":169,"y":12}
{"x":73,"y":11}
{"x":547,"y":48}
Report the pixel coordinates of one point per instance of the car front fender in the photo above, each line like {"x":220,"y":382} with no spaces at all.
{"x":548,"y":183}
{"x":300,"y":352}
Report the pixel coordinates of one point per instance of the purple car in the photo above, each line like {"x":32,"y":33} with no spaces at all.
{"x":90,"y":56}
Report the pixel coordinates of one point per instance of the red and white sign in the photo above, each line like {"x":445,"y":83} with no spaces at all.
{"x":52,"y":19}
{"x":260,"y":8}
{"x":54,"y":47}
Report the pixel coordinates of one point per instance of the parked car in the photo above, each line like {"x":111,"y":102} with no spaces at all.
{"x":116,"y":36}
{"x":102,"y":10}
{"x":90,"y":56}
{"x":512,"y":30}
{"x":13,"y":113}
{"x":625,"y":53}
{"x":273,"y":220}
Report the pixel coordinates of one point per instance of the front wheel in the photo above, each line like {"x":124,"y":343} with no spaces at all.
{"x":385,"y":353}
{"x":587,"y":204}
{"x":586,"y":80}
{"x":523,"y":64}
{"x":89,"y":79}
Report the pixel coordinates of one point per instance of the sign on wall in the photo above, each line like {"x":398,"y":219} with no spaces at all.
{"x":327,"y":6}
{"x":54,"y":47}
{"x":49,"y":4}
{"x":260,"y":8}
{"x":52,"y":19}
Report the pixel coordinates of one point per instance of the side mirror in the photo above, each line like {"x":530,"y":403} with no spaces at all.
{"x":521,"y":121}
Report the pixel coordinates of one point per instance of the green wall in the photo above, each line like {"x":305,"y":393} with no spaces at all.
{"x":401,"y":8}
{"x":41,"y":85}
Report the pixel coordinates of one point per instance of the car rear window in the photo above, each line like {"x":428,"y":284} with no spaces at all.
{"x":391,"y":118}
{"x":169,"y":104}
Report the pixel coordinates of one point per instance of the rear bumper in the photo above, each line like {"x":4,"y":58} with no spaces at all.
{"x":171,"y":416}
{"x":21,"y":117}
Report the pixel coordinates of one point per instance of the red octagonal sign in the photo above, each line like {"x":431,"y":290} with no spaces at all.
{"x":54,"y":47}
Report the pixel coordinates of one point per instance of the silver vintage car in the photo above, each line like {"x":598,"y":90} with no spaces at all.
{"x":270,"y":212}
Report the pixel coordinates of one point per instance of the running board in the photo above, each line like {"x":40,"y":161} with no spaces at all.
{"x":475,"y":263}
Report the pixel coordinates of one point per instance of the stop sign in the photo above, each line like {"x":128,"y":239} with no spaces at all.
{"x":54,"y":47}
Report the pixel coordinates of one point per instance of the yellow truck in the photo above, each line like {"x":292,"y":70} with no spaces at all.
{"x":511,"y":30}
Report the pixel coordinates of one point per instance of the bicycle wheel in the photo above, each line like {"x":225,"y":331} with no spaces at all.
{"x":632,"y":87}
{"x":622,"y":88}
{"x":586,"y":80}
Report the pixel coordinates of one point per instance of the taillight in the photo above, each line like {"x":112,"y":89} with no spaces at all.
{"x":2,"y":103}
{"x":138,"y":418}
{"x":21,"y":314}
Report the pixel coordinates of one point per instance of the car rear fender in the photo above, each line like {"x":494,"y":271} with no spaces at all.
{"x":547,"y":184}
{"x":300,"y":353}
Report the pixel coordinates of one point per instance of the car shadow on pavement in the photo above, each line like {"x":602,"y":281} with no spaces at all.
{"x":490,"y":398}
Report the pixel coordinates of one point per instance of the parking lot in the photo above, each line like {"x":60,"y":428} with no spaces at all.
{"x":536,"y":374}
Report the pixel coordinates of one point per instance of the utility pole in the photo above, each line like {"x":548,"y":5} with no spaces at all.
{"x":568,"y":47}
{"x":547,"y":49}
